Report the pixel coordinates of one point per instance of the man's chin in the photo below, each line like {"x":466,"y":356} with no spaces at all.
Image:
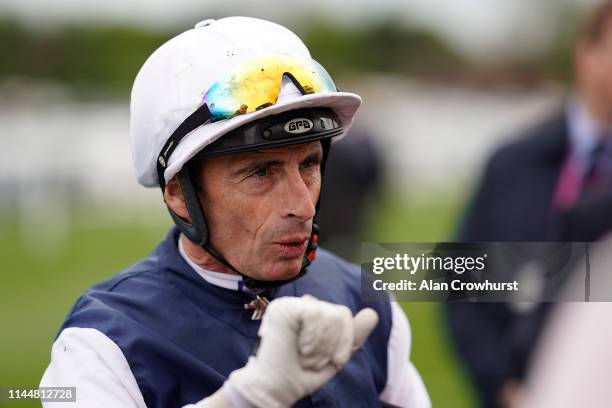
{"x":282,"y":270}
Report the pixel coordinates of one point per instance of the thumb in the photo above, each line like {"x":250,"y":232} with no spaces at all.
{"x":363,"y":322}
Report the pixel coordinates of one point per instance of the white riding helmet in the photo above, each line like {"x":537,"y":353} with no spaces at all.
{"x":174,"y":81}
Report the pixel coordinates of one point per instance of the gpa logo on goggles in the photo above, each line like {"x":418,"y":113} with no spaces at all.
{"x":298,"y":125}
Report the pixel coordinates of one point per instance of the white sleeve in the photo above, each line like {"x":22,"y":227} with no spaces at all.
{"x":404,"y":386}
{"x":88,"y":360}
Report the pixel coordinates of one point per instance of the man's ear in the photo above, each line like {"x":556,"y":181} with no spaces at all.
{"x":173,"y":196}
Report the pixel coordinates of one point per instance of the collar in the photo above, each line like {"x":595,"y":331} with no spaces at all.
{"x":584,"y":133}
{"x":220,"y":279}
{"x":172,"y":262}
{"x":221,"y":303}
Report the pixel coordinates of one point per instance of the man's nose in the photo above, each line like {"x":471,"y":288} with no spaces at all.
{"x":300,"y":199}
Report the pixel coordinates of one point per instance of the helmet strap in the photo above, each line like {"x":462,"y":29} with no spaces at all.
{"x":197,"y":231}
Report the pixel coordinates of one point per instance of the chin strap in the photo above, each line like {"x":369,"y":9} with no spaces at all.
{"x":197,"y":232}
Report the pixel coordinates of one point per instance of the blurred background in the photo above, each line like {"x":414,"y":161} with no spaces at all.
{"x":443,"y":83}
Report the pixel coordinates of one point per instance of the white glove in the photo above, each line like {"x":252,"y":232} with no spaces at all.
{"x":304,"y":343}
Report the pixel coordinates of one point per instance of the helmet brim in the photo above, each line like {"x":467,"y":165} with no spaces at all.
{"x":345,"y":104}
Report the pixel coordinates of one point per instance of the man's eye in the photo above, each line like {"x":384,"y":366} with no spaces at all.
{"x":261,"y":172}
{"x":310,"y":163}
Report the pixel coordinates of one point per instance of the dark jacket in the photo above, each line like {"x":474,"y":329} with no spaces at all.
{"x":182,"y":336}
{"x":512,"y":203}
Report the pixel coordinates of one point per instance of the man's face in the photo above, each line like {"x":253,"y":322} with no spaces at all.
{"x":260,"y":206}
{"x":595,"y":73}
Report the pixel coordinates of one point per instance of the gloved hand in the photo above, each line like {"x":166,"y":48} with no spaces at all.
{"x":304,"y":343}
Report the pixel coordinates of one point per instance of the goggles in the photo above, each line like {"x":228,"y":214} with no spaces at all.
{"x":257,"y":84}
{"x":253,"y":86}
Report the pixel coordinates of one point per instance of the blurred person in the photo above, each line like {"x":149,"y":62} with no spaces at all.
{"x":552,"y":184}
{"x":572,"y":362}
{"x":234,"y":121}
{"x":352,"y":175}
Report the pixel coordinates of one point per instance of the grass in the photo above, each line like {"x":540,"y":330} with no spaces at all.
{"x":426,"y":219}
{"x":39,"y":286}
{"x":38,"y":289}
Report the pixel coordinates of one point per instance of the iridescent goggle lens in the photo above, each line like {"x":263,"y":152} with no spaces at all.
{"x":256,"y":84}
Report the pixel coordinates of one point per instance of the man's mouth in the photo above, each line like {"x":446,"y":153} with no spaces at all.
{"x":292,"y":247}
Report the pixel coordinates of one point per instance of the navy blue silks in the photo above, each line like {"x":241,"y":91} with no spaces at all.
{"x":182,"y":336}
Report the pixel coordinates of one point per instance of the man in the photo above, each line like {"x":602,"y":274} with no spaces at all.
{"x":233,"y":120}
{"x":551,"y":185}
{"x":355,"y":175}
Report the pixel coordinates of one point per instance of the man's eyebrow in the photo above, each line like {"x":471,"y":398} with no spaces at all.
{"x":255,"y":164}
{"x":315,"y":155}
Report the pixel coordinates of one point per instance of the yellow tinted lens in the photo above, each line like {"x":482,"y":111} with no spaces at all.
{"x":256,"y":84}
